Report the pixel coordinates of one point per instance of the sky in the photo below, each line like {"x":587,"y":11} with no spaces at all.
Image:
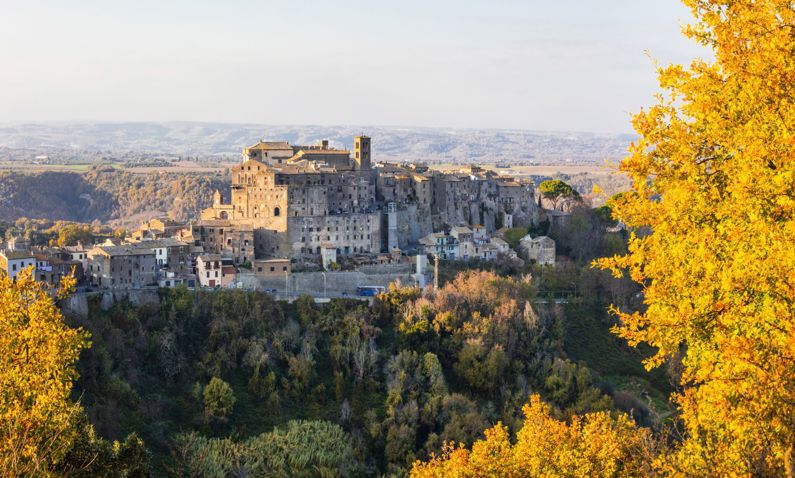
{"x":555,"y":65}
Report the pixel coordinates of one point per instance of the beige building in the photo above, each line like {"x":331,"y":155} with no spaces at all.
{"x":272,"y":267}
{"x":292,"y":204}
{"x":156,"y":228}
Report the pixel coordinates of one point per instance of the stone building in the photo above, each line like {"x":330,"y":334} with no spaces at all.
{"x":171,"y":254}
{"x":159,"y":227}
{"x":540,"y":249}
{"x":302,"y":201}
{"x":123,"y":266}
{"x":52,"y":265}
{"x":225,"y":237}
{"x":294,"y":204}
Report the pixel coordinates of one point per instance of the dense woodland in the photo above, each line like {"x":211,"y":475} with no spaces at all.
{"x":105,"y":194}
{"x":211,"y":379}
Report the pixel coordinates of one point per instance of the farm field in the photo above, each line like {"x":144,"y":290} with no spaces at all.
{"x":180,"y":167}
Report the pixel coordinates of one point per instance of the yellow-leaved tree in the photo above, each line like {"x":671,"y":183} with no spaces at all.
{"x":37,"y":356}
{"x":713,"y":179}
{"x":595,"y":445}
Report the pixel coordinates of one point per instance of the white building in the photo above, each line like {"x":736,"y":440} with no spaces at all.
{"x":13,"y":262}
{"x":209,"y":270}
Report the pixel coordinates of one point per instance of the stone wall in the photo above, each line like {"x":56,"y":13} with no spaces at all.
{"x":336,"y":284}
{"x":77,"y":304}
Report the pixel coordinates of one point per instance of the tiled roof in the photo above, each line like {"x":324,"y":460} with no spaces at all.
{"x":15,"y":255}
{"x":266,"y":145}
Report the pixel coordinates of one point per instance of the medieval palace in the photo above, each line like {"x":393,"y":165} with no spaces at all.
{"x":307,"y":202}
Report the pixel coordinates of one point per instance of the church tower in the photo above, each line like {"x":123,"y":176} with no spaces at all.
{"x":361,"y":153}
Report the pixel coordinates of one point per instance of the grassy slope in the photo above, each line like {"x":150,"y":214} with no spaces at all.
{"x":588,"y":339}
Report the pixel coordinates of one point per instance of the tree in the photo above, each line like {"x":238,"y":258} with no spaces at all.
{"x":593,"y":445}
{"x":92,"y":456}
{"x":37,"y":356}
{"x":514,"y":235}
{"x":713,"y":187}
{"x":297,"y":449}
{"x":71,"y":234}
{"x":556,"y":190}
{"x":219,"y":399}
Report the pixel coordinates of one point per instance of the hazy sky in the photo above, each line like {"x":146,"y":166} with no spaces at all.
{"x":528,"y":64}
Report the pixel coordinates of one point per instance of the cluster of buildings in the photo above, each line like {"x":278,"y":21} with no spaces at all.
{"x":310,"y":206}
{"x":309,"y":202}
{"x":465,"y":243}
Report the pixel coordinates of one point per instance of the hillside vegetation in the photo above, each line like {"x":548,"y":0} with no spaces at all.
{"x":206,"y":376}
{"x":107,"y":195}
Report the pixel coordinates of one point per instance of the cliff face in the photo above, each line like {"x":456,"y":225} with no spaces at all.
{"x":105,"y":195}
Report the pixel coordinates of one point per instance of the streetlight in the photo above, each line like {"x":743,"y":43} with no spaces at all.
{"x":286,"y":286}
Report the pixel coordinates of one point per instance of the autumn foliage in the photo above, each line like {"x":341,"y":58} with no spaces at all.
{"x":593,"y":445}
{"x":712,"y":208}
{"x":714,"y":186}
{"x":37,"y":419}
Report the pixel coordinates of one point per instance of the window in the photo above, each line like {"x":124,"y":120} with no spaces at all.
{"x":276,"y":211}
{"x":273,"y":268}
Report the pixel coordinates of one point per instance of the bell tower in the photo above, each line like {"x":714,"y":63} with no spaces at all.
{"x":361,"y":153}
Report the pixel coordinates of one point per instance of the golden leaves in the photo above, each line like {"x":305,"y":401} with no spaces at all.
{"x":37,"y":356}
{"x":593,"y":445}
{"x":719,"y":262}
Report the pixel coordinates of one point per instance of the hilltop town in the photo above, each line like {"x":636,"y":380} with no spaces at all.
{"x":297,"y":209}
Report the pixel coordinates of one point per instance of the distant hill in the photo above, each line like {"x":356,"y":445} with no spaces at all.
{"x":393,"y":143}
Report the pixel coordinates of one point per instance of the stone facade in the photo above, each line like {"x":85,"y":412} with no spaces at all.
{"x":296,"y":201}
{"x":293,"y":205}
{"x":122,"y":266}
{"x":539,"y":249}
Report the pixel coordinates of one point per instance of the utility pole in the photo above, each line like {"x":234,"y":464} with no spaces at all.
{"x":435,"y":271}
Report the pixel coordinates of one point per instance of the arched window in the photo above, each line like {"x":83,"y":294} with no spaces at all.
{"x":276,"y":211}
{"x":224,"y":215}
